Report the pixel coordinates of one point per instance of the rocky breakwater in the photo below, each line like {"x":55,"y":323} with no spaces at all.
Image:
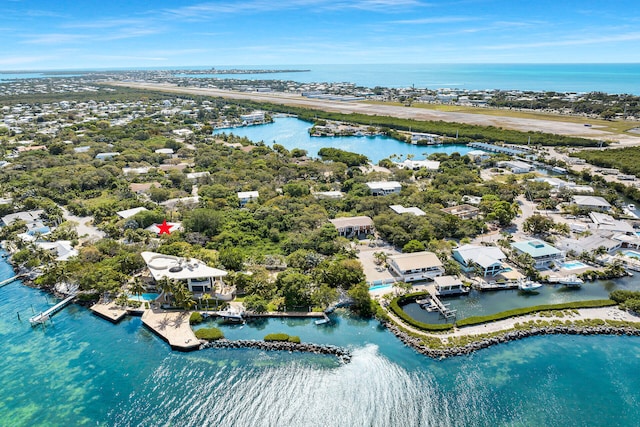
{"x":342,"y":354}
{"x":512,"y":335}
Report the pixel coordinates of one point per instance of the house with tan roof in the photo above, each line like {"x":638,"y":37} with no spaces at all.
{"x":355,"y":226}
{"x":416,"y":266}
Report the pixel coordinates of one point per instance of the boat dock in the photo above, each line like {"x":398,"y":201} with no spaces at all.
{"x":10,"y":280}
{"x":46,"y":315}
{"x":495,"y":286}
{"x":442,"y":308}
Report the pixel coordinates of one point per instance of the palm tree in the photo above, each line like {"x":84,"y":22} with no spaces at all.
{"x":206,"y":297}
{"x":137,"y":288}
{"x":166,"y":286}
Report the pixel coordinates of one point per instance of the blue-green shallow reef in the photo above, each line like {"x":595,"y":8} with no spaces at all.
{"x":82,"y":370}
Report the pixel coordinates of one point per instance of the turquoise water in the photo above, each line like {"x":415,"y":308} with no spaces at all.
{"x":144,"y":297}
{"x":611,"y":78}
{"x":82,"y":370}
{"x":572,"y":265}
{"x":293,"y":133}
{"x":478,"y":303}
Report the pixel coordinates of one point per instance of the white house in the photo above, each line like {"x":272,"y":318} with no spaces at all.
{"x":419,"y":164}
{"x":591,"y":202}
{"x":516,"y":166}
{"x":604,"y":222}
{"x":128,"y":213}
{"x":62,"y":249}
{"x":328,"y":195}
{"x":383,"y":188}
{"x":247,"y":196}
{"x":449,"y":285}
{"x":195,"y":274}
{"x":355,"y":226}
{"x":413,"y":210}
{"x":253,"y":117}
{"x":106,"y":156}
{"x":591,"y":243}
{"x":487,"y":258}
{"x":416,"y":266}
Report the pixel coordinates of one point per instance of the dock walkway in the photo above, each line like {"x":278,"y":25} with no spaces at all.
{"x":444,"y":309}
{"x":109,"y":311}
{"x":46,"y":315}
{"x":10,"y":280}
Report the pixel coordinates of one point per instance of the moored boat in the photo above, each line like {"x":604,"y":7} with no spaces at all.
{"x":528,"y":285}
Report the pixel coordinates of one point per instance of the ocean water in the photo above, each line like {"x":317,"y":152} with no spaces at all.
{"x":291,"y":133}
{"x":82,"y":370}
{"x":610,"y":78}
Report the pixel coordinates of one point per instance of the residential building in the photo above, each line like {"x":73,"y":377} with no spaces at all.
{"x":416,"y":266}
{"x":383,"y":188}
{"x":198,"y":277}
{"x":449,"y":285}
{"x":399,"y":209}
{"x":328,"y":195}
{"x":419,"y":164}
{"x":106,"y":156}
{"x":591,"y":202}
{"x":604,"y":222}
{"x":516,"y":166}
{"x":247,"y":196}
{"x":253,"y":117}
{"x":592,"y":243}
{"x":128,"y":213}
{"x":543,"y":254}
{"x":486,"y":258}
{"x":356,"y":226}
{"x":463,"y":211}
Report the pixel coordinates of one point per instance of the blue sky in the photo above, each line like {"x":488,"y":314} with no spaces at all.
{"x":75,"y":34}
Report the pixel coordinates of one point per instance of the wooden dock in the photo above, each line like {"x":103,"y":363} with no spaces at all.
{"x":442,"y":308}
{"x":46,"y":315}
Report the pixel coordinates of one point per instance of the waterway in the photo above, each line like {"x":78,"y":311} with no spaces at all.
{"x":82,"y":370}
{"x":292,"y":132}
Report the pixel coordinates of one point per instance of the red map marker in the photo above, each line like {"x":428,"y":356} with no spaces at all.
{"x":164,"y":228}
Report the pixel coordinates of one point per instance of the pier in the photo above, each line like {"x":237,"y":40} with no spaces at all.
{"x":442,"y":308}
{"x":46,"y":315}
{"x":10,"y":280}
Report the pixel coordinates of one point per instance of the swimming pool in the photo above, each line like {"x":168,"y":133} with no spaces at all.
{"x":380,"y":287}
{"x":632,"y":254}
{"x":144,"y":297}
{"x":572,"y":265}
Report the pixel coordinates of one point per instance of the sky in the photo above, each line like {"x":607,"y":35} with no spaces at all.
{"x":109,"y":34}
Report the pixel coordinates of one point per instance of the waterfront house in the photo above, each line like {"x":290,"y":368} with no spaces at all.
{"x":591,"y":202}
{"x":253,"y":117}
{"x":478,"y":155}
{"x":415,"y":266}
{"x":383,"y":188}
{"x":355,"y":226}
{"x":198,"y":277}
{"x":592,"y":243}
{"x":247,"y":196}
{"x":449,"y":285}
{"x":413,"y":210}
{"x":604,"y":222}
{"x":463,"y":211}
{"x":61,"y":248}
{"x":425,"y":138}
{"x":32,"y":219}
{"x":543,"y":254}
{"x":487,"y":258}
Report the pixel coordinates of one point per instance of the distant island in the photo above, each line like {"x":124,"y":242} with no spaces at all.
{"x":241,"y":71}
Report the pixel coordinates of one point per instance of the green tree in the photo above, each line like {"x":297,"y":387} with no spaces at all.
{"x":538,"y":224}
{"x":294,"y":287}
{"x":362,"y":303}
{"x":255,"y":304}
{"x":413,"y":246}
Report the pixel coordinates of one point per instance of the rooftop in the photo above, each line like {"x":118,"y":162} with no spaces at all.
{"x":536,"y":248}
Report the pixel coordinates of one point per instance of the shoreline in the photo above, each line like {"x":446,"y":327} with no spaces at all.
{"x":515,"y":328}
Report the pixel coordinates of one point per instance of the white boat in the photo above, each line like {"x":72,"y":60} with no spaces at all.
{"x":528,"y":285}
{"x":631,"y":207}
{"x":571,"y":281}
{"x":322,"y":321}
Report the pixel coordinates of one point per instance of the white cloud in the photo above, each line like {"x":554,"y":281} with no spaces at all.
{"x":436,"y":20}
{"x":54,"y":39}
{"x":567,"y":42}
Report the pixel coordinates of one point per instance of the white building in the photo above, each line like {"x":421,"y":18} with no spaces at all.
{"x":128,"y":213}
{"x":416,"y":266}
{"x":488,"y":258}
{"x":328,"y":195}
{"x":253,"y":117}
{"x":591,"y":202}
{"x":198,"y":277}
{"x":419,"y":164}
{"x":516,"y":166}
{"x":399,"y":209}
{"x":355,"y":226}
{"x":383,"y":188}
{"x":247,"y":196}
